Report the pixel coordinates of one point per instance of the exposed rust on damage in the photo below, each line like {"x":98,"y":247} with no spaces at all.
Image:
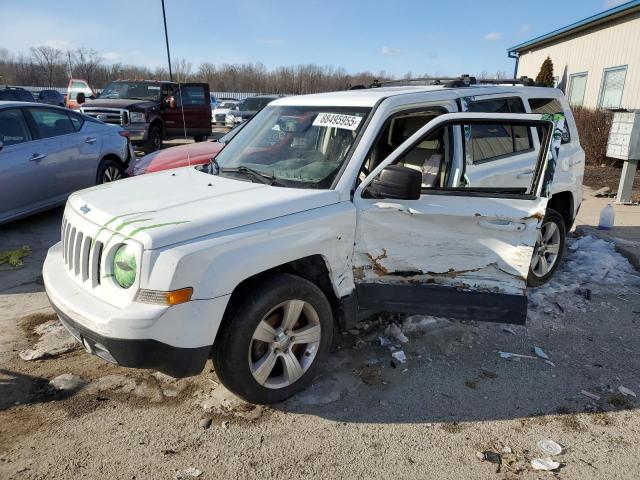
{"x":378,"y":267}
{"x":538,"y":216}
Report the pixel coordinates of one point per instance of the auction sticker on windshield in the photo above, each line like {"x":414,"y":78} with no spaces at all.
{"x":337,"y":120}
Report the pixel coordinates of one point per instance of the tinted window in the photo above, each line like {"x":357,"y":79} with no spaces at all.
{"x":16,"y":95}
{"x":490,"y":141}
{"x":51,"y":123}
{"x":191,"y":96}
{"x":13,"y":127}
{"x":551,"y":106}
{"x":254,"y":103}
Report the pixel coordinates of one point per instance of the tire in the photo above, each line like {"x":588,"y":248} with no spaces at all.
{"x":200,"y":138}
{"x":153,"y":141}
{"x":273,"y":369}
{"x":109,"y":171}
{"x":545,"y":262}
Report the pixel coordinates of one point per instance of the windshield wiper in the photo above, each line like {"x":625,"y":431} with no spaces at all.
{"x":262,"y":177}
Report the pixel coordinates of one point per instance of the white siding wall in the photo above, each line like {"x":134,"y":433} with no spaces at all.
{"x":607,"y":45}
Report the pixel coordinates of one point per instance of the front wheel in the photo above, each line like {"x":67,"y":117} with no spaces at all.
{"x":109,"y":171}
{"x":274,"y":336}
{"x":548,"y":250}
{"x":153,"y":141}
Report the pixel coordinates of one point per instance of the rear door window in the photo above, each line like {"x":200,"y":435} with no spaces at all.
{"x":13,"y":127}
{"x":489,"y":142}
{"x":51,"y":123}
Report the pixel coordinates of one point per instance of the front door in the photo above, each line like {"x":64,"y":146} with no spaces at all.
{"x":192,"y":113}
{"x":455,"y":249}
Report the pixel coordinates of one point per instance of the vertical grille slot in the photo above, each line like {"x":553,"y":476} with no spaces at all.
{"x":77,"y":247}
{"x":84,"y":258}
{"x":65,"y":242}
{"x":70,"y":243}
{"x":94,"y":263}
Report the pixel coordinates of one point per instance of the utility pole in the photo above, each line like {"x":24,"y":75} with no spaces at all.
{"x":166,"y":37}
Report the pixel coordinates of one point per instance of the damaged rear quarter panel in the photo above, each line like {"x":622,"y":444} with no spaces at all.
{"x":425,"y":241}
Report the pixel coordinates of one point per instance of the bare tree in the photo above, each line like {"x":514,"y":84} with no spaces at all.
{"x":48,"y":58}
{"x":85,"y":63}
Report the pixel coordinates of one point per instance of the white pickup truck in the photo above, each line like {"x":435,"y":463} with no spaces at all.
{"x":445,"y":200}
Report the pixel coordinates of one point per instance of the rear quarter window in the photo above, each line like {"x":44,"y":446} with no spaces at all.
{"x":551,"y":106}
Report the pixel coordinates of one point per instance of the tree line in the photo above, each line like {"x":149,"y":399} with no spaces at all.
{"x":46,"y":66}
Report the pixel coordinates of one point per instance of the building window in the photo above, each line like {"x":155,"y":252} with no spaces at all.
{"x":612,"y":87}
{"x":577,"y":87}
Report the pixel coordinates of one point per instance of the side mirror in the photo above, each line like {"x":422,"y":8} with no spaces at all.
{"x":396,"y":182}
{"x":171,"y":102}
{"x":80,"y":98}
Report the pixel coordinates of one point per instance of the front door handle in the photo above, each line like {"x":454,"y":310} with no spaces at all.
{"x":503,"y":225}
{"x":36,"y":157}
{"x":90,"y":140}
{"x":526,"y":173}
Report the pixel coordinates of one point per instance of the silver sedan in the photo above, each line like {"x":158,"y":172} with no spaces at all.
{"x":47,"y":153}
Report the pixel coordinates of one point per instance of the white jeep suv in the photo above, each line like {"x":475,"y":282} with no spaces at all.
{"x":445,"y":200}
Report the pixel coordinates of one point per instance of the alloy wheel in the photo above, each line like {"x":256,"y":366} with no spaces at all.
{"x":111,"y":174}
{"x":284,"y":344}
{"x":547,"y":249}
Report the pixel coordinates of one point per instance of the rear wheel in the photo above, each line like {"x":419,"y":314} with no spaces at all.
{"x":109,"y":170}
{"x":548,"y":250}
{"x":273,"y":339}
{"x":200,"y":138}
{"x":154,"y":140}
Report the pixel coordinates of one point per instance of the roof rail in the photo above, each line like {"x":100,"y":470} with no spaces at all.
{"x":454,"y":82}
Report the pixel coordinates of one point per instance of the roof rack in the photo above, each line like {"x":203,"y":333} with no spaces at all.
{"x":454,"y":82}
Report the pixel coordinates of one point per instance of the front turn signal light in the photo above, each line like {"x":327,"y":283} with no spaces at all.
{"x":156,"y":297}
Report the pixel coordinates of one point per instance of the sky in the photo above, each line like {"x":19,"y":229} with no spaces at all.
{"x":434,"y":37}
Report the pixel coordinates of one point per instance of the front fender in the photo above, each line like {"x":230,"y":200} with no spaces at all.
{"x":215,"y":265}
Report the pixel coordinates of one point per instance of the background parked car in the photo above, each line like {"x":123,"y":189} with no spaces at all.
{"x":51,"y":97}
{"x":16,"y":94}
{"x":75,"y":87}
{"x":219,"y":114}
{"x":48,"y":152}
{"x":181,"y":156}
{"x":214,"y":101}
{"x":153,"y":110}
{"x":247,"y":109}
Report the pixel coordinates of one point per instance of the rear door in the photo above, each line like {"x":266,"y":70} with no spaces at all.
{"x":192,"y":112}
{"x":458,"y":250}
{"x":68,"y":152}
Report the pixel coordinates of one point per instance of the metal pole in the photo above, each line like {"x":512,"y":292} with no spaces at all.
{"x":166,"y":37}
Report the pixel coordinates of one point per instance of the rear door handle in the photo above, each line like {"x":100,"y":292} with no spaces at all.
{"x":503,"y":225}
{"x":526,"y":173}
{"x":36,"y":157}
{"x":90,"y":140}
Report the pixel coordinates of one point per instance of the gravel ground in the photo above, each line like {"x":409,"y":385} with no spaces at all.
{"x":365,"y":416}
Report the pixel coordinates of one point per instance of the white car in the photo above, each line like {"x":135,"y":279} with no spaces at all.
{"x":219,"y":114}
{"x":420,"y":199}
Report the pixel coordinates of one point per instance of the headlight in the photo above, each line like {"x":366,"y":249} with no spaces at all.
{"x":229,"y":118}
{"x":125,"y":266}
{"x":136,"y":117}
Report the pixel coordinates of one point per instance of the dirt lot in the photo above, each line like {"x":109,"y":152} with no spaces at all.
{"x":609,"y":176}
{"x":365,"y":416}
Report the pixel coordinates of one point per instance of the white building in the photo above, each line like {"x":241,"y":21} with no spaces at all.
{"x":596,"y":61}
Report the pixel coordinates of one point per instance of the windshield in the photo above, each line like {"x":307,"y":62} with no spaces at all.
{"x":254,"y":103}
{"x":227,"y":105}
{"x":298,"y":146}
{"x":133,"y":91}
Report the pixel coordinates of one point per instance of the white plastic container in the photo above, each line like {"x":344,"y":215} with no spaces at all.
{"x":607,"y":218}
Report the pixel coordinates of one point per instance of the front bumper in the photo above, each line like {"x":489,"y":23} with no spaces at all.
{"x":174,"y":340}
{"x":137,"y":132}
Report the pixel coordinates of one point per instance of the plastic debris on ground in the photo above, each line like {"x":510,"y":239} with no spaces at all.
{"x":549,"y":447}
{"x":626,"y":392}
{"x":489,"y":456}
{"x":539,"y":352}
{"x":514,"y":356}
{"x":509,"y":330}
{"x":189,"y":472}
{"x":545,"y":464}
{"x":590,"y":395}
{"x":386,"y":342}
{"x":399,"y":356}
{"x":54,"y":340}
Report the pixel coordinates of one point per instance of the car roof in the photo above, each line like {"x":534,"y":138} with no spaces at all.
{"x":368,"y":97}
{"x":13,"y":103}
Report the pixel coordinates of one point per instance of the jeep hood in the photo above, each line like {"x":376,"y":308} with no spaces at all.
{"x":173,"y":206}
